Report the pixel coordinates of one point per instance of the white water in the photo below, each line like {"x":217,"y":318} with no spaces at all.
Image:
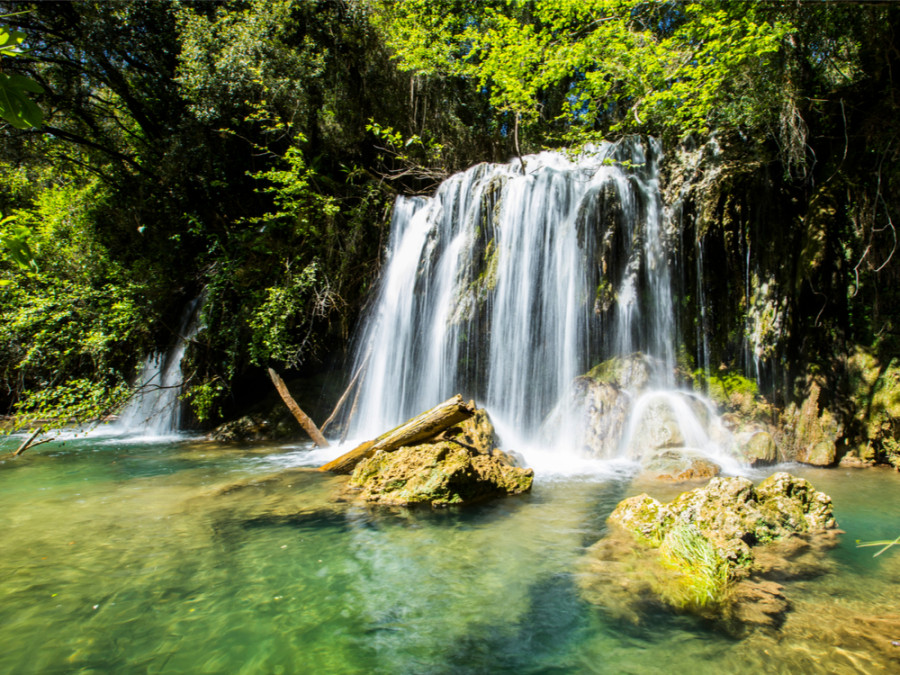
{"x":491,"y":288}
{"x":155,"y":410}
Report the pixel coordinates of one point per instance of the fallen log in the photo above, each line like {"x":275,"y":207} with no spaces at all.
{"x":422,"y":427}
{"x":308,"y":425}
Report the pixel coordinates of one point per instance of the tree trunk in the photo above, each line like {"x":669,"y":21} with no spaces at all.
{"x":420,"y":428}
{"x":307,"y":424}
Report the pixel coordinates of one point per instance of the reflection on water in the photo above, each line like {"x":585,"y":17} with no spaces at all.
{"x":138,"y":558}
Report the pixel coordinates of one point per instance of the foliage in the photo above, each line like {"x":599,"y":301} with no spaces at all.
{"x":70,"y":316}
{"x":702,"y":574}
{"x":16,"y":107}
{"x":599,"y":66}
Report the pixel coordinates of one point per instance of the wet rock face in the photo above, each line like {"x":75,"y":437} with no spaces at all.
{"x":717,"y":550}
{"x":757,"y":447}
{"x":604,"y":409}
{"x":815,"y":432}
{"x":461,"y":467}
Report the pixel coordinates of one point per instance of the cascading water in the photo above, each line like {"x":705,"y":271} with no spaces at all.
{"x":156,"y":409}
{"x":507,"y":285}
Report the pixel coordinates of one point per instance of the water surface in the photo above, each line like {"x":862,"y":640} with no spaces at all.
{"x":130,"y":557}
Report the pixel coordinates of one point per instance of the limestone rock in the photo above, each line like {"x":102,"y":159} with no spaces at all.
{"x":440,"y":474}
{"x":698,"y":547}
{"x":757,"y":447}
{"x":631,"y":372}
{"x":679,"y":464}
{"x":815,"y":431}
{"x":477,"y":432}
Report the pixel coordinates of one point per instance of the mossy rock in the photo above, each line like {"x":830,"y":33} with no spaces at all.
{"x":631,"y":372}
{"x":477,"y":432}
{"x":272,"y":426}
{"x":757,"y":447}
{"x":437,"y":474}
{"x":695,"y":551}
{"x":679,"y":465}
{"x":813,"y":431}
{"x":876,"y":394}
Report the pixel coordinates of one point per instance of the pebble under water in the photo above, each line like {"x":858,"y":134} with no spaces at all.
{"x":124,"y":557}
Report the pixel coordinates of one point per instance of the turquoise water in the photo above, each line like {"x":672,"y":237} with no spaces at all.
{"x":125,"y":557}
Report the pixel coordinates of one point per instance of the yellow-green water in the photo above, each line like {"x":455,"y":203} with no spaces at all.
{"x":121,"y":558}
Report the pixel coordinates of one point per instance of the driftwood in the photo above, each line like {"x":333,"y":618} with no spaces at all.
{"x":343,"y":398}
{"x":420,"y":428}
{"x":30,"y":442}
{"x":307,"y":424}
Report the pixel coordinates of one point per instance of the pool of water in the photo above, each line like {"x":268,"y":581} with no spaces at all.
{"x":137,"y":557}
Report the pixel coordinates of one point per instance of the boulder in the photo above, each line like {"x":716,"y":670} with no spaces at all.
{"x":256,"y":427}
{"x":460,"y":466}
{"x":603,"y":409}
{"x":695,"y":552}
{"x":476,"y":432}
{"x":631,"y":372}
{"x":437,"y":474}
{"x":658,"y":427}
{"x":678,"y":465}
{"x":756,"y":447}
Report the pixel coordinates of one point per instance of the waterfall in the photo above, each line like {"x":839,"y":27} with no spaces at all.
{"x":156,"y":408}
{"x":506,"y":285}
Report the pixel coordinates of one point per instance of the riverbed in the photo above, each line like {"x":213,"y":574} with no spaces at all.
{"x":121,"y":556}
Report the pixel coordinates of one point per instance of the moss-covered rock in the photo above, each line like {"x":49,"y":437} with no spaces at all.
{"x":756,"y":447}
{"x":679,"y":465}
{"x":812,"y":431}
{"x":631,"y":372}
{"x":437,"y":474}
{"x":694,"y":552}
{"x":875,"y":388}
{"x":461,"y":466}
{"x":274,"y":425}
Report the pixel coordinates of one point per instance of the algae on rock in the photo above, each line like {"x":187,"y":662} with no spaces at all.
{"x":462,"y":466}
{"x":698,"y":553}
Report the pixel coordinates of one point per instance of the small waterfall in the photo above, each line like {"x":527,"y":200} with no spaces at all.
{"x":156,"y":409}
{"x":506,"y":287}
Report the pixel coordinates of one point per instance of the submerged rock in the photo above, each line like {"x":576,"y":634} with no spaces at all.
{"x":461,"y":466}
{"x":698,"y":553}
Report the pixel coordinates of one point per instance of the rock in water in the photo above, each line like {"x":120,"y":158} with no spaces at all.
{"x":757,"y":447}
{"x":698,"y":552}
{"x":679,"y":465}
{"x":460,"y":467}
{"x":439,"y":474}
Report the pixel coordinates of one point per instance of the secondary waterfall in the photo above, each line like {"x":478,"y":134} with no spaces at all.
{"x":513,"y":280}
{"x":156,"y":408}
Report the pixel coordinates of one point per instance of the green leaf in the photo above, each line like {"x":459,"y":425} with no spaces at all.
{"x":15,"y":106}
